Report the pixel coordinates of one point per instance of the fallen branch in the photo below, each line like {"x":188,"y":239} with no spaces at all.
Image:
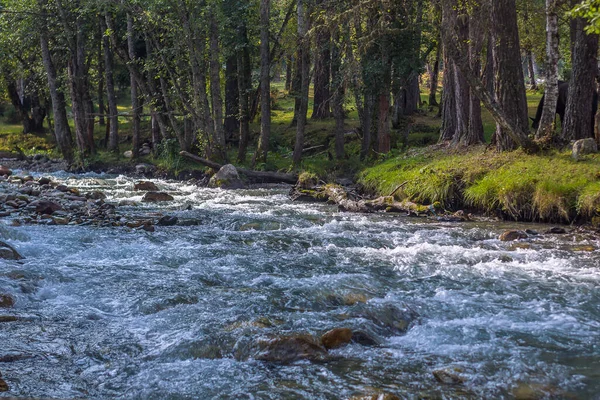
{"x":255,"y":176}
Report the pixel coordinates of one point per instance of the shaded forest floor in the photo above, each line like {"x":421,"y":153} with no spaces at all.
{"x":549,"y":187}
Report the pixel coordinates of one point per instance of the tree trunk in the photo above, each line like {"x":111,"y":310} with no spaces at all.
{"x":265,"y":85}
{"x":288,"y":73}
{"x":510,"y":83}
{"x":476,"y":31}
{"x":531,"y":69}
{"x":232,"y":124}
{"x":579,"y":114}
{"x":304,"y":50}
{"x":546,"y":124}
{"x":433,"y":77}
{"x":62,"y":131}
{"x":338,"y":97}
{"x":135,"y":107}
{"x":215,"y":88}
{"x":322,"y":76}
{"x":244,"y":72}
{"x":113,"y":133}
{"x":100,"y":56}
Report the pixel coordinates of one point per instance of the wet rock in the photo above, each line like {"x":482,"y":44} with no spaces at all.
{"x":449,"y":376}
{"x":4,"y":171}
{"x":45,"y":206}
{"x":167,"y":221}
{"x":44,"y":181}
{"x":148,"y":228}
{"x":145,"y":186}
{"x":583,"y":147}
{"x":128,"y":203}
{"x":509,"y":236}
{"x":536,"y":391}
{"x":8,"y":318}
{"x":226,"y":178}
{"x":145,"y":169}
{"x":96,"y":195}
{"x":7,"y":252}
{"x":153,"y":197}
{"x":365,"y":338}
{"x":6,"y":301}
{"x":531,"y":232}
{"x":62,"y":188}
{"x":337,"y":337}
{"x":289,"y":349}
{"x":3,"y":385}
{"x":390,"y":318}
{"x":556,"y":230}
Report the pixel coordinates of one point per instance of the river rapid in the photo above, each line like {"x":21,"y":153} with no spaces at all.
{"x":124,"y":313}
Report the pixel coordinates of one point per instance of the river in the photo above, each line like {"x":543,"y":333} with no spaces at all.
{"x":121,"y":313}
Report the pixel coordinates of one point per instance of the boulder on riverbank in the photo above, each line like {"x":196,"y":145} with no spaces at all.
{"x":145,"y":186}
{"x":226,"y":178}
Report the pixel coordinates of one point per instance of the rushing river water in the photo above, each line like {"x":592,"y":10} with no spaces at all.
{"x":120,"y":313}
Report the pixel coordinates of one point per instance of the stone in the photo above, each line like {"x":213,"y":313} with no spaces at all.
{"x":509,"y":236}
{"x":44,"y":181}
{"x":96,"y":195}
{"x":6,"y":301}
{"x":556,"y":230}
{"x":8,"y":318}
{"x":365,"y":338}
{"x":145,"y":186}
{"x":7,"y":252}
{"x":154,"y":197}
{"x":288,"y":349}
{"x":337,"y":337}
{"x":167,"y":221}
{"x":45,"y":206}
{"x":128,"y":154}
{"x":226,"y":178}
{"x":3,"y":385}
{"x":376,"y":396}
{"x":584,"y":146}
{"x":449,"y":376}
{"x":4,"y":171}
{"x":145,"y":169}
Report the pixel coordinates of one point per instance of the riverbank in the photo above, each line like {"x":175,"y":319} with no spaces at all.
{"x":551,"y":188}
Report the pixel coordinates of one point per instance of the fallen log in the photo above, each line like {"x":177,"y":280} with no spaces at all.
{"x":336,"y":194}
{"x":254,"y":176}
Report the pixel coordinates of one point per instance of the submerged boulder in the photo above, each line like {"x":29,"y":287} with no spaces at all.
{"x":288,"y":349}
{"x":226,"y":178}
{"x":154,"y":197}
{"x":337,"y":337}
{"x":583,"y":147}
{"x":509,"y":236}
{"x":6,"y":301}
{"x":145,"y":186}
{"x":7,"y":252}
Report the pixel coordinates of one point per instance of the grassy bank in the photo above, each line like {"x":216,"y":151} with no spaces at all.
{"x":547,"y":188}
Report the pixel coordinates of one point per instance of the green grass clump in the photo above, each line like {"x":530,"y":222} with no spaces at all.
{"x":551,"y":188}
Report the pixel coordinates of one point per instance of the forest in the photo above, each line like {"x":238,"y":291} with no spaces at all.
{"x":269,"y":84}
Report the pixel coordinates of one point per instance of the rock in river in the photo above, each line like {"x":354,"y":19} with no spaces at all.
{"x":7,"y":252}
{"x":337,"y":337}
{"x":509,"y":236}
{"x":153,"y":197}
{"x":5,"y":171}
{"x":46,"y":206}
{"x":6,"y":301}
{"x":289,"y":349}
{"x":145,"y":186}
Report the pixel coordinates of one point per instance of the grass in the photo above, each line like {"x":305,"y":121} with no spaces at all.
{"x":547,"y":188}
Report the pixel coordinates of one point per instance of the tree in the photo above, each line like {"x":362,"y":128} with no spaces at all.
{"x":265,"y":84}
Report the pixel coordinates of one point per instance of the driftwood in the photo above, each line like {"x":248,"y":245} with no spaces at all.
{"x":347,"y":202}
{"x":255,"y":176}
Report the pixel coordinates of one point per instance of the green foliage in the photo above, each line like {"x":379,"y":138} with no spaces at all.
{"x":168,"y":155}
{"x":590,"y":10}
